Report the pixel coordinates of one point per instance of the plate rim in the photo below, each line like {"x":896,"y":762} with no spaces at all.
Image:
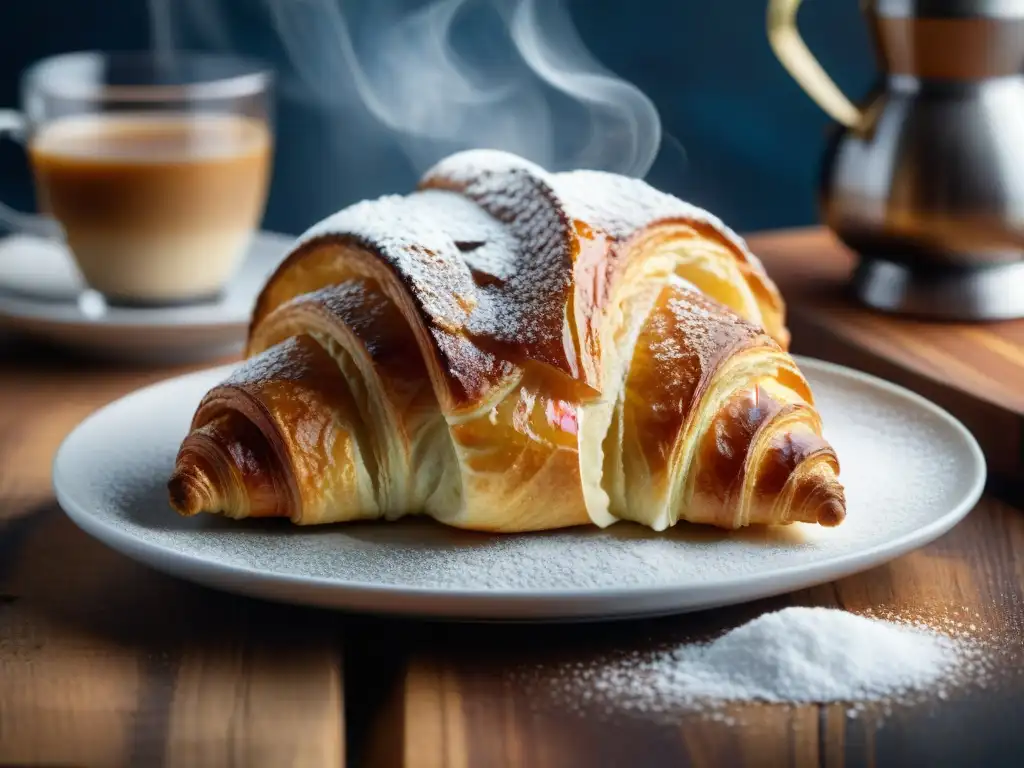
{"x":357,"y":595}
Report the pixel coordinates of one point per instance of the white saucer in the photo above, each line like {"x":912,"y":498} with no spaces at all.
{"x":42,"y":295}
{"x":911,"y":472}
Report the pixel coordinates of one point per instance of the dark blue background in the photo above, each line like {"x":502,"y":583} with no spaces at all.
{"x":752,"y":137}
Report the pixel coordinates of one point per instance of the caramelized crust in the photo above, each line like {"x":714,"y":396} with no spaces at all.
{"x":703,"y":387}
{"x":227,"y":466}
{"x":356,"y":310}
{"x":397,"y":243}
{"x":507,"y":349}
{"x":297,"y":398}
{"x":398,"y":236}
{"x":530,"y":306}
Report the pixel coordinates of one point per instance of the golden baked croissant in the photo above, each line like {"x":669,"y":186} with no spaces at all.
{"x":507,"y":349}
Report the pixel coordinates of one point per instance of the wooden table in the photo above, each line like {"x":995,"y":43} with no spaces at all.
{"x":104,"y":662}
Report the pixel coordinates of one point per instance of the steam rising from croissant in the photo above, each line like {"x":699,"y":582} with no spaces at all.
{"x":507,"y":349}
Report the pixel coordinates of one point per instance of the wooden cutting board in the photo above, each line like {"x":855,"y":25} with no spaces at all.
{"x":974,"y":370}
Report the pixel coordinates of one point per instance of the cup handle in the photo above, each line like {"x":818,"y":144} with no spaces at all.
{"x":790,"y":49}
{"x":13,"y":126}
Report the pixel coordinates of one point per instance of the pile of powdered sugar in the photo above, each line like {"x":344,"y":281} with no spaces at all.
{"x":793,"y":656}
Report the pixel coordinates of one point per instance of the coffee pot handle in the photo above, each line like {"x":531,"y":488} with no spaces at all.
{"x":790,"y":49}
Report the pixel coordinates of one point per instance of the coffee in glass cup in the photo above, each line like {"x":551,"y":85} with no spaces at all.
{"x":156,"y":170}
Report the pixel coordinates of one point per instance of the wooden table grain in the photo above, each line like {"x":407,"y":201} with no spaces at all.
{"x":104,"y":662}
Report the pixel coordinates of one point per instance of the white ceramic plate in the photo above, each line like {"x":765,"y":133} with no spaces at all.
{"x":42,"y":294}
{"x":911,"y":472}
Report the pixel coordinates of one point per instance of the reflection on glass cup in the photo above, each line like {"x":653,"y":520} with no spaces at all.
{"x":154,"y":169}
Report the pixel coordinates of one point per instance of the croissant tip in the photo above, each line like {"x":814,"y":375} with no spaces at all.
{"x":186,"y":491}
{"x":831,"y":513}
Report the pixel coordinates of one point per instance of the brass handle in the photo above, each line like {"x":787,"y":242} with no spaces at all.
{"x":790,"y":49}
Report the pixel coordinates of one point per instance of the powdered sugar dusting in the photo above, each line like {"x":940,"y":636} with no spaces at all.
{"x":796,"y":655}
{"x":527,"y":309}
{"x":463,"y":168}
{"x":622,"y":205}
{"x":419,"y":237}
{"x":484,"y":243}
{"x":291,"y":360}
{"x":406,"y":233}
{"x":804,"y":655}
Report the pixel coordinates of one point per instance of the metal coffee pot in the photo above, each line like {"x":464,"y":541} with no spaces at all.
{"x":925,"y":179}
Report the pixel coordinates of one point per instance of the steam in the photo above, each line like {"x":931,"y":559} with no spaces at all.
{"x":518,"y":79}
{"x":625,"y":127}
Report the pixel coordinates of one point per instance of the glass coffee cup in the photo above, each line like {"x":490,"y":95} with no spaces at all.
{"x":154,"y":170}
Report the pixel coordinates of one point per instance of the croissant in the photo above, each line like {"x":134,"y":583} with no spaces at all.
{"x":507,"y":349}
